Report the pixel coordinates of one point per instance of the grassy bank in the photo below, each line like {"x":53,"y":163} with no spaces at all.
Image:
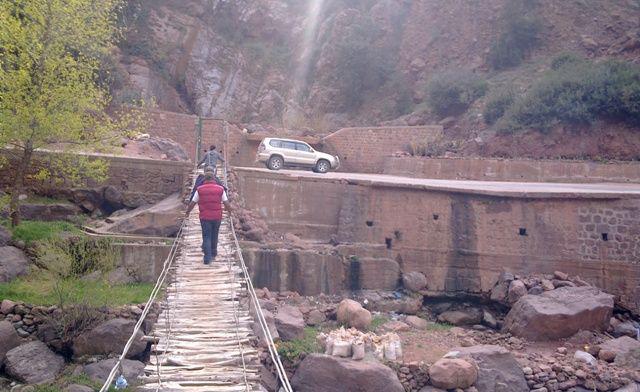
{"x":39,"y":290}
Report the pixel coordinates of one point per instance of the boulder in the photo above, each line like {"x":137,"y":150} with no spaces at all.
{"x":429,"y":388}
{"x":13,"y":263}
{"x":159,"y":147}
{"x":316,"y":317}
{"x":33,"y":363}
{"x":5,"y":236}
{"x":50,"y":212}
{"x":289,"y":322}
{"x":559,"y":313}
{"x":109,"y":337}
{"x":406,"y":304}
{"x":416,"y":322}
{"x":498,"y":370}
{"x":351,"y":313}
{"x":324,"y":373}
{"x":395,"y":326}
{"x":517,"y":289}
{"x":414,"y":281}
{"x":489,"y":319}
{"x":470,"y":316}
{"x":161,"y":219}
{"x":614,"y":347}
{"x":453,"y":373}
{"x":99,"y":371}
{"x":8,"y":339}
{"x":271,"y":325}
{"x":7,"y":306}
{"x":501,"y":289}
{"x":625,"y":329}
{"x":629,"y":359}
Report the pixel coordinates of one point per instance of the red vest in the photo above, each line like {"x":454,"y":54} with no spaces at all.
{"x":210,"y":201}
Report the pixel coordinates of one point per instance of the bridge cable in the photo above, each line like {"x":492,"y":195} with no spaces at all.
{"x":273,"y":351}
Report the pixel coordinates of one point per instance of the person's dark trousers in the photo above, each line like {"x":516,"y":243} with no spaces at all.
{"x":210,"y":230}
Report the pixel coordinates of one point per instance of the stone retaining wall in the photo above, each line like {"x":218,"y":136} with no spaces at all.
{"x":513,"y":170}
{"x":140,"y":180}
{"x":365,"y":149}
{"x":460,"y":241}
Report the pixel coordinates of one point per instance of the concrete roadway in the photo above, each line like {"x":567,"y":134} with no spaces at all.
{"x":490,"y":188}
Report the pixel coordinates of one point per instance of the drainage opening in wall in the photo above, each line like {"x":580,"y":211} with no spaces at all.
{"x":369,"y":223}
{"x":605,"y":236}
{"x":436,"y":216}
{"x":354,"y":273}
{"x":522,"y":231}
{"x":388,"y":242}
{"x":397,"y":234}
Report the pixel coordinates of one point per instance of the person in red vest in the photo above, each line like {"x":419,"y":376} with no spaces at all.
{"x":210,"y":197}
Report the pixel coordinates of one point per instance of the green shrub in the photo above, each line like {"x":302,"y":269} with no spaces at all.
{"x":579,"y":93}
{"x":31,"y":231}
{"x":565,"y":58}
{"x":519,"y":34}
{"x":497,"y":104}
{"x":451,"y":93}
{"x":292,"y":349}
{"x":76,"y":256}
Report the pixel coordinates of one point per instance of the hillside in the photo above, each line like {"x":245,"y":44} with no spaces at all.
{"x":326,"y":64}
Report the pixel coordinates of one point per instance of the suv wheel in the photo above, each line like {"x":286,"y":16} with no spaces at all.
{"x":275,"y":163}
{"x":322,"y":166}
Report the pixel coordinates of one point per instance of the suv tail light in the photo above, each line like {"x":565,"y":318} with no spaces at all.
{"x":261,"y":147}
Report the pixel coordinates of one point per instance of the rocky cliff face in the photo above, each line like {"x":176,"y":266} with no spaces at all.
{"x":330,"y":63}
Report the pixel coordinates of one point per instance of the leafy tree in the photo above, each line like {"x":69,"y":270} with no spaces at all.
{"x":50,"y":93}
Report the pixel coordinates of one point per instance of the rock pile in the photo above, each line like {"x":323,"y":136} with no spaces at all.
{"x":510,"y":288}
{"x":28,"y":320}
{"x":562,"y":372}
{"x":412,"y":376}
{"x":356,"y":344}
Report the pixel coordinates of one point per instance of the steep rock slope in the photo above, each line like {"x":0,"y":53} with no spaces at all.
{"x":331,"y":63}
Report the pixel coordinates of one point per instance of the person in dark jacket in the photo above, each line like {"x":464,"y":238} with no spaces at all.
{"x":210,"y":197}
{"x":211,"y":158}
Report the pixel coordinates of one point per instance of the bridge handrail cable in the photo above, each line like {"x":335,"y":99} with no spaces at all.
{"x":273,"y":351}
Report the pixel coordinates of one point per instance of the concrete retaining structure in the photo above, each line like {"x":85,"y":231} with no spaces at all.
{"x":460,"y":235}
{"x":488,"y":169}
{"x":143,"y":262}
{"x":140,"y":180}
{"x":365,"y":149}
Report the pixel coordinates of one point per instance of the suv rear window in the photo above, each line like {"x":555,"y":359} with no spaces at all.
{"x":275,"y":143}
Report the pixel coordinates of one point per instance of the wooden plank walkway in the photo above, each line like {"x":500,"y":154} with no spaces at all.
{"x":204,"y":330}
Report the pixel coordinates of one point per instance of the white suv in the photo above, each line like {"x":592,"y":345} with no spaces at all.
{"x":277,"y":153}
